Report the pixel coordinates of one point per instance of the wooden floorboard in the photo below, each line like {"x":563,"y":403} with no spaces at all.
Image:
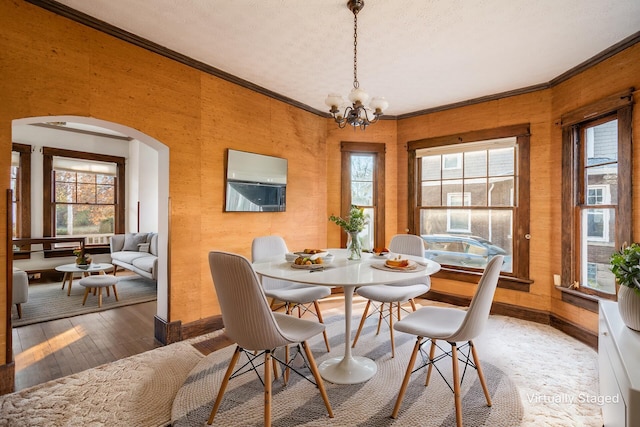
{"x":50,"y":350}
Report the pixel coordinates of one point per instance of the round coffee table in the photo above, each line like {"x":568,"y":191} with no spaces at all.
{"x":70,"y":269}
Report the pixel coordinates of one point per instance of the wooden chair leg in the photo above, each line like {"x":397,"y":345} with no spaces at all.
{"x":267,"y":388}
{"x":456,"y":384}
{"x":225,"y":382}
{"x":321,"y":320}
{"x":393,"y":344}
{"x":115,"y":292}
{"x":380,"y":318}
{"x":19,"y":308}
{"x":285,"y":375}
{"x":108,"y":292}
{"x":318,"y":378}
{"x":86,"y":294}
{"x":432,"y":353}
{"x":100,"y":297}
{"x":413,"y":304}
{"x":364,"y":317}
{"x":407,"y":375}
{"x":480,"y":373}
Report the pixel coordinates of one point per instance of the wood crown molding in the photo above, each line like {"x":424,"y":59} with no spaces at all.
{"x":84,"y":19}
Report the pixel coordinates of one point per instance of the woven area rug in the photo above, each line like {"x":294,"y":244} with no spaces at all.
{"x":136,"y":391}
{"x":366,"y":404}
{"x":50,"y":301}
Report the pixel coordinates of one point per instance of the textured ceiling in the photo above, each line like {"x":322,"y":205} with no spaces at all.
{"x":419,"y":54}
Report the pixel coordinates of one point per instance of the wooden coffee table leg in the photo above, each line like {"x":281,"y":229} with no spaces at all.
{"x":70,"y":283}
{"x":100,"y":297}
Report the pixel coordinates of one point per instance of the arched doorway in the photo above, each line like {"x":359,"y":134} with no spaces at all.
{"x":162,"y":192}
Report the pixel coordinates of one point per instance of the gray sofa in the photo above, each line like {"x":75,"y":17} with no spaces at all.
{"x":137,"y":252}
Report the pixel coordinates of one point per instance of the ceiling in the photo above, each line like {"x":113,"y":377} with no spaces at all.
{"x":418,"y":54}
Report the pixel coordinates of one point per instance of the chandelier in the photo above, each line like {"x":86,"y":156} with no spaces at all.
{"x":358,"y":114}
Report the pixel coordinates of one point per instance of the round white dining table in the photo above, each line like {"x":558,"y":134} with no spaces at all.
{"x":341,"y":272}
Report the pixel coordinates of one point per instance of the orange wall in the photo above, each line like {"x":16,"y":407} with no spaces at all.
{"x":52,"y":66}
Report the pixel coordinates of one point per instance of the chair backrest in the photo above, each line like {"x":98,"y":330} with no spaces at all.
{"x":478,"y":311}
{"x":247,"y":318}
{"x":267,"y":247}
{"x":409,"y":244}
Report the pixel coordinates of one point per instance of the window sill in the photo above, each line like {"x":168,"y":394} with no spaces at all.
{"x":580,"y":299}
{"x":505,"y":282}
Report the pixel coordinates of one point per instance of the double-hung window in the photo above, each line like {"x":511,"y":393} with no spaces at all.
{"x":469,"y":200}
{"x":85,"y":197}
{"x":596,"y":199}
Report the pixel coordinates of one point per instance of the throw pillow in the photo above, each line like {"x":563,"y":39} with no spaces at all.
{"x":132,"y":240}
{"x":143,"y":247}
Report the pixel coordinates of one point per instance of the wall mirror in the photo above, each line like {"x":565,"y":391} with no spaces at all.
{"x":255,"y":182}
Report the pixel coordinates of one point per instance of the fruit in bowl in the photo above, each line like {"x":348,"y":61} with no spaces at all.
{"x":313,"y":251}
{"x":301,"y":260}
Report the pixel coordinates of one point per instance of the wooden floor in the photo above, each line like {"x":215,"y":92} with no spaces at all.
{"x":50,"y":350}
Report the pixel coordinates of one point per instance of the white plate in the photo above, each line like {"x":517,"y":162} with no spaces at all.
{"x":412,"y":265}
{"x":308,"y":267}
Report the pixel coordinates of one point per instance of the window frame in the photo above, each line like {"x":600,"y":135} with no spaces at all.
{"x":379,"y":150}
{"x":519,"y":278}
{"x":23,"y":219}
{"x":49,"y":204}
{"x":619,"y":107}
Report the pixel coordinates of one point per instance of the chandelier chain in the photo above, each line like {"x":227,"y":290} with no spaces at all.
{"x":356,"y":84}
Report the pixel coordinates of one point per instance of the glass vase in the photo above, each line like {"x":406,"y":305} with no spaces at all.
{"x":354,"y":246}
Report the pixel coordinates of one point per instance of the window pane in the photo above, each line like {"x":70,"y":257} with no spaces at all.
{"x":86,"y":193}
{"x":65,"y":193}
{"x":501,"y":191}
{"x":431,"y":193}
{"x":602,"y":143}
{"x":361,"y":168}
{"x":87,"y":178}
{"x":431,"y":167}
{"x":75,"y":220}
{"x":597,"y":245}
{"x":451,"y":191}
{"x":106,"y":194}
{"x":452,"y":166}
{"x":490,"y":235}
{"x":501,"y":161}
{"x":362,"y":193}
{"x":606,"y":178}
{"x":475,"y":164}
{"x":477,"y":189}
{"x":367,"y":235}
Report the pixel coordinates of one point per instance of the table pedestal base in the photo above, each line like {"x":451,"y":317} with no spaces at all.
{"x":347,"y":370}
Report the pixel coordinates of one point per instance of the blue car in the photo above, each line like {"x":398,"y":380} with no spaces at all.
{"x":462,"y":250}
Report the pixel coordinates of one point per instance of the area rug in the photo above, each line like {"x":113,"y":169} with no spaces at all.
{"x":136,"y":391}
{"x":554,"y":375}
{"x":49,"y":301}
{"x":366,"y":404}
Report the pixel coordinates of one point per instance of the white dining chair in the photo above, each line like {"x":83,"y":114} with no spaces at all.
{"x":298,"y":296}
{"x":256,"y":329}
{"x":393,"y":296}
{"x":452,"y":325}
